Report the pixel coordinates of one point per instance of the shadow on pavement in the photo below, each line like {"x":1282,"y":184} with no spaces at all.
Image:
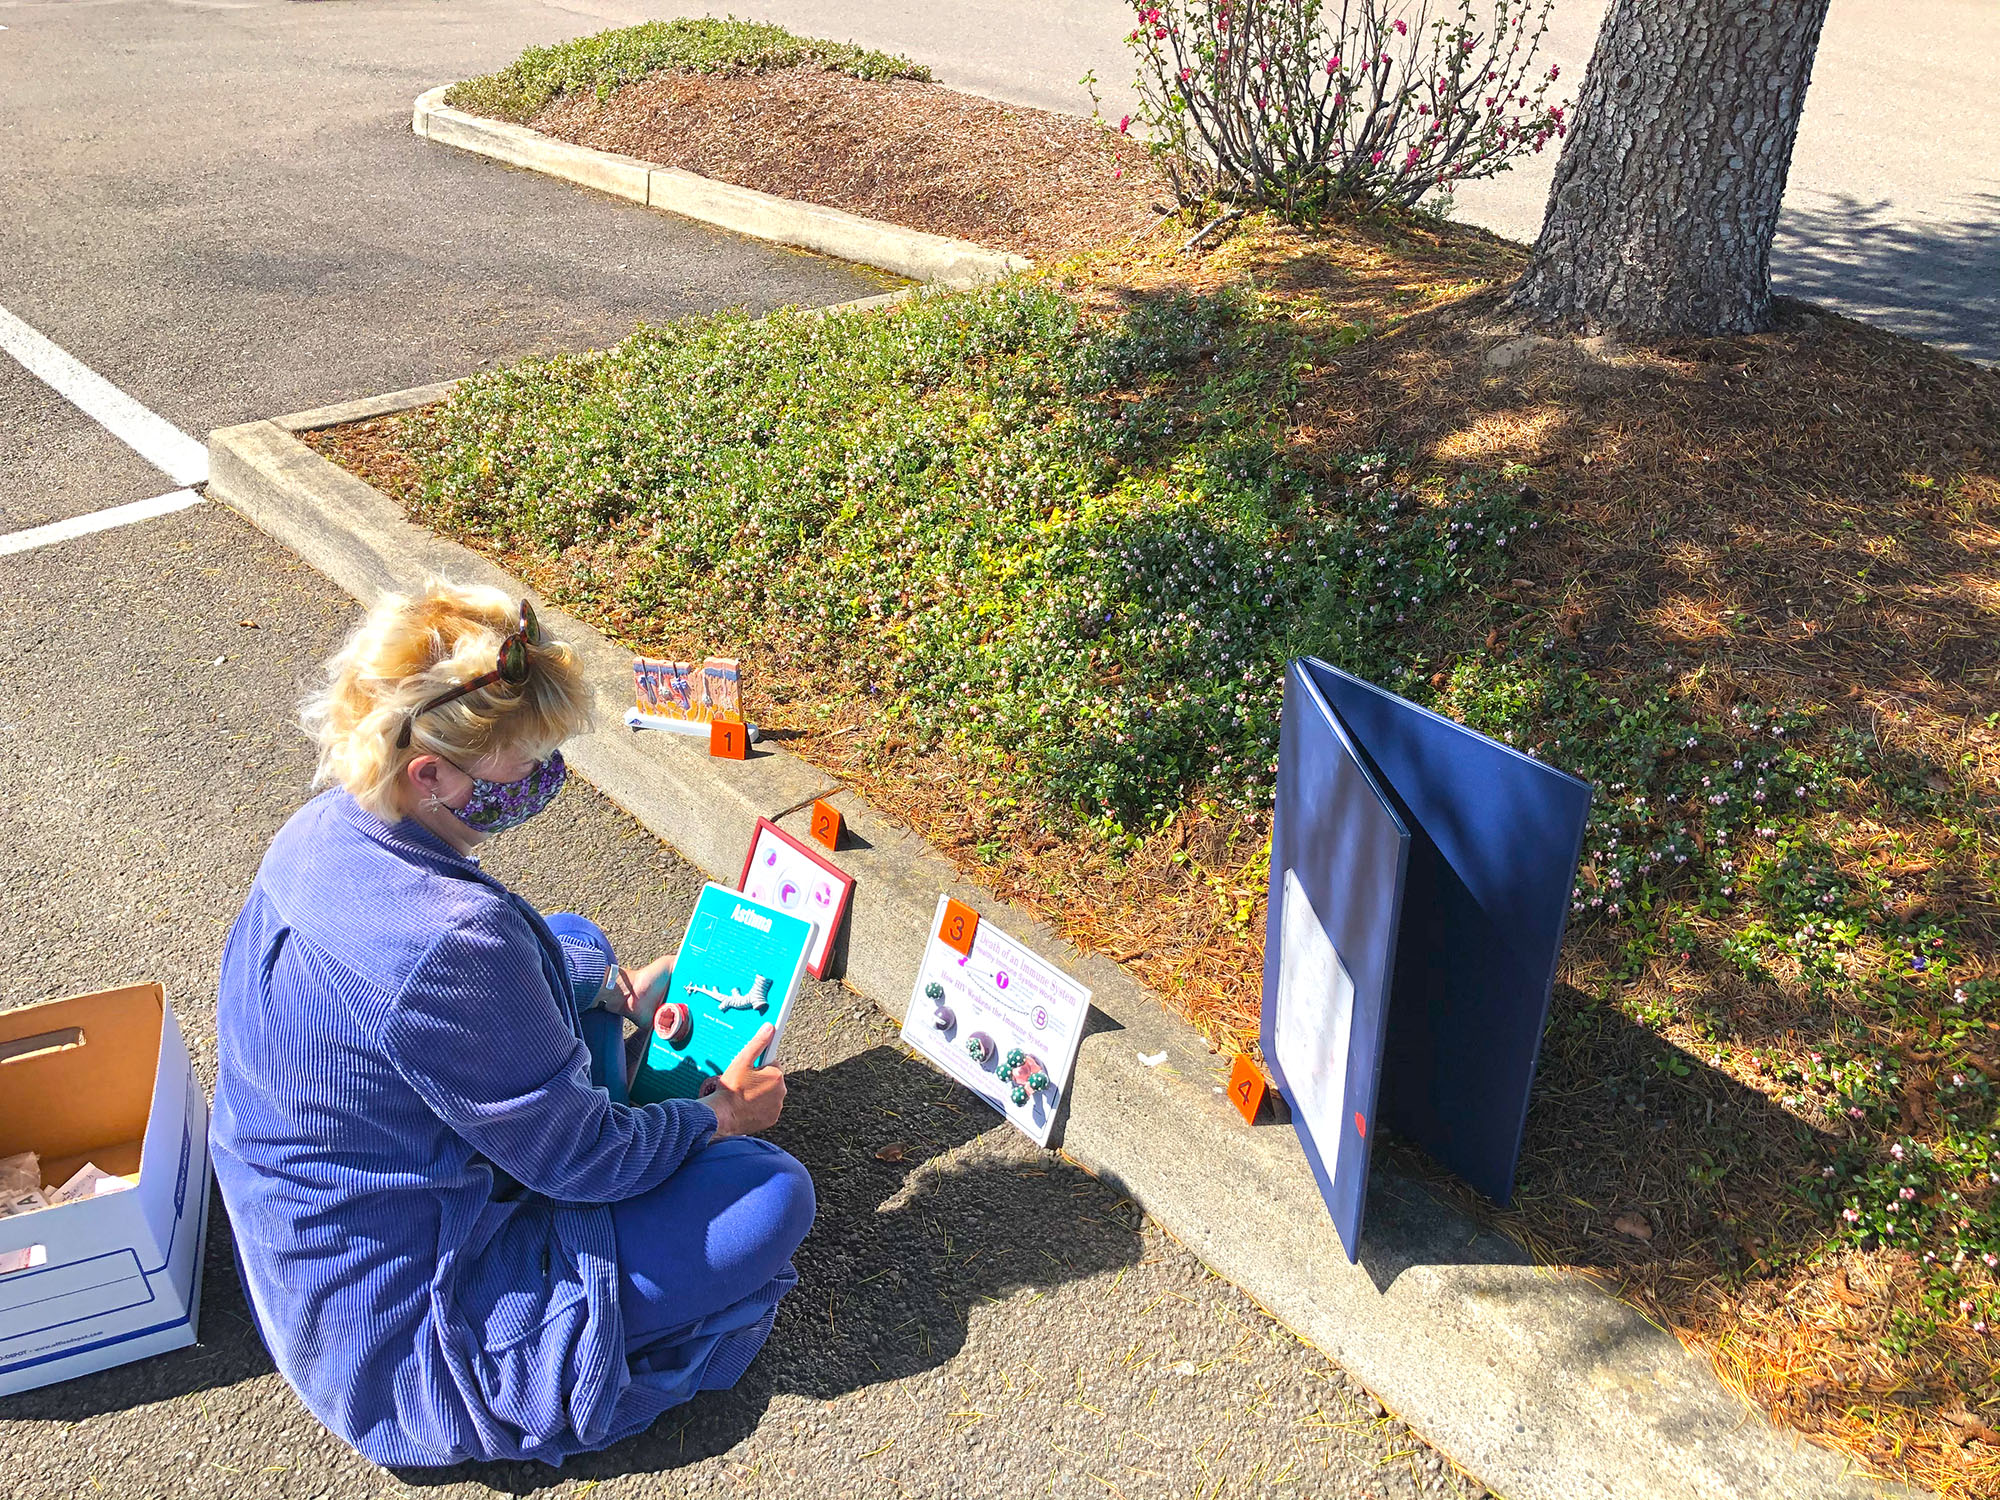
{"x":1935,"y":279}
{"x":928,"y":1206}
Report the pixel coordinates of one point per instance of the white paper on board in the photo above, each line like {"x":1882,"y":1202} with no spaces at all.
{"x":1315,"y":1015}
{"x":1014,"y":996}
{"x":781,"y":876}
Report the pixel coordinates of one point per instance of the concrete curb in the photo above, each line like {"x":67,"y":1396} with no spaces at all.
{"x":930,"y":258}
{"x":1535,"y":1381}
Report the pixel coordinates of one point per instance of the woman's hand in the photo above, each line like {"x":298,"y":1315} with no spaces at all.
{"x":747,"y":1099}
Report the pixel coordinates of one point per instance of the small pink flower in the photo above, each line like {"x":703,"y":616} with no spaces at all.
{"x":1852,"y":1215}
{"x":1376,"y":159}
{"x":1125,"y":125}
{"x":1554,"y":71}
{"x":1908,"y":1195}
{"x":1402,"y":28}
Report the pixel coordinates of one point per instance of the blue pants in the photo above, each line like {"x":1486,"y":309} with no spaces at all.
{"x":603,"y":1032}
{"x":705,"y":1257}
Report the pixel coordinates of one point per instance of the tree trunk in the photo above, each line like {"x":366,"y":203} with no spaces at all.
{"x":1666,"y":197}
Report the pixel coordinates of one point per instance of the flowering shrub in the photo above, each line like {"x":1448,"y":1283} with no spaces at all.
{"x":1302,"y":104}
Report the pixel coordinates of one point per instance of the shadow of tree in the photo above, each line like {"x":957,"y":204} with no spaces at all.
{"x":1936,"y":278}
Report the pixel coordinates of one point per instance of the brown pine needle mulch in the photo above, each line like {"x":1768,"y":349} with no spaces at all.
{"x":1810,"y":514}
{"x":1039,"y":184}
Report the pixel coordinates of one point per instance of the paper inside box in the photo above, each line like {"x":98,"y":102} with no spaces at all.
{"x":76,"y":1080}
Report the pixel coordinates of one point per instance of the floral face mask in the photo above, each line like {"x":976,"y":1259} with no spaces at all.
{"x":496,"y":806}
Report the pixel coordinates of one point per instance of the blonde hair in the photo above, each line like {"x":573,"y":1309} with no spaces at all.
{"x":409,"y":650}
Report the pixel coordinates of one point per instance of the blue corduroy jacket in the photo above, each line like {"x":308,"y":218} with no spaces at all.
{"x":415,"y":1162}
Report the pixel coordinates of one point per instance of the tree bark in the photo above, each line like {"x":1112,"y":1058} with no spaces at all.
{"x":1666,"y":197}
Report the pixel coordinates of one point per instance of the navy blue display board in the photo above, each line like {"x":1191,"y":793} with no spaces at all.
{"x":1420,"y":884}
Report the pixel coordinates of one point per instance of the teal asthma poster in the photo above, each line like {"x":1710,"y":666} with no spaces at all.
{"x":738,"y":967}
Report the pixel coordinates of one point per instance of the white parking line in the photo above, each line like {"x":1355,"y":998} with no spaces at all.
{"x":152,"y":437}
{"x":97,"y":520}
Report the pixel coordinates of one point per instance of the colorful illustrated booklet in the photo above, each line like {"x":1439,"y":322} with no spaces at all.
{"x":739,"y":965}
{"x":668,"y":693}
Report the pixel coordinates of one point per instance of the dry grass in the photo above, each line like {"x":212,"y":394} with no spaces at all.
{"x":1042,"y":185}
{"x":1809,"y":515}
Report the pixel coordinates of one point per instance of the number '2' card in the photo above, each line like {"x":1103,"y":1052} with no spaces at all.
{"x":782,"y":872}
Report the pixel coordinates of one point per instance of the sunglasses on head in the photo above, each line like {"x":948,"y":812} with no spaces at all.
{"x":511,"y":668}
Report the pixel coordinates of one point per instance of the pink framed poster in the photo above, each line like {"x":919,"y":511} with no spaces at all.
{"x":782,"y":872}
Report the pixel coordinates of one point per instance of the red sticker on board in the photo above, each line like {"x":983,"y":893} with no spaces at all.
{"x":1361,"y":1124}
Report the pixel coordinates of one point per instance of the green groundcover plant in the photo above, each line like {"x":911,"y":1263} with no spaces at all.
{"x":1070,"y":551}
{"x":1076,"y":551}
{"x":1720,"y":840}
{"x":609,"y":60}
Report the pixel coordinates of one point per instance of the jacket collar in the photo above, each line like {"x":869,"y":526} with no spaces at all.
{"x":411,"y":840}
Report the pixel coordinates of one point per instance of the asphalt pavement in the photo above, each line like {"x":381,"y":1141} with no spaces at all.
{"x":218,"y":206}
{"x":974,"y":1316}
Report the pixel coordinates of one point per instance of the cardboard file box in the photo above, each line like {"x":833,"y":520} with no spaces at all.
{"x":101,"y":1078}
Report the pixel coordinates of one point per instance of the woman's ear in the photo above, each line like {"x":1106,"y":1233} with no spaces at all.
{"x":425,"y":775}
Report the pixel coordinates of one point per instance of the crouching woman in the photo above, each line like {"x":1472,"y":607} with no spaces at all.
{"x":458,"y":1239}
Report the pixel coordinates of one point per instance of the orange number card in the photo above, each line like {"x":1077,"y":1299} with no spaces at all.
{"x":826,"y":824}
{"x":960,"y":923}
{"x":728,"y":740}
{"x":1246,"y":1087}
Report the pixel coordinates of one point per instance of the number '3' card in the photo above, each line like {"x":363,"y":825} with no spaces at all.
{"x":1000,"y":1019}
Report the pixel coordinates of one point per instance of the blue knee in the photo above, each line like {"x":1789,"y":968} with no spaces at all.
{"x":587,"y":953}
{"x":781,"y":1187}
{"x":801,"y":1202}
